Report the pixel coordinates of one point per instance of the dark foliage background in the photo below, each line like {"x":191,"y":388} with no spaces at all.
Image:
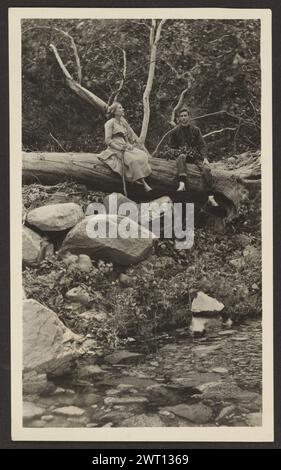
{"x":219,"y":58}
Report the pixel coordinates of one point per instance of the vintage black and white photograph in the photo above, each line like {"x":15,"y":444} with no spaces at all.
{"x":141,"y":224}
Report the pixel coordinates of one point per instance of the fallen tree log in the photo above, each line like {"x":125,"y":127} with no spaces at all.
{"x":86,"y":168}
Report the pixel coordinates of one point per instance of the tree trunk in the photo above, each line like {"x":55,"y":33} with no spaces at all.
{"x":155,"y":33}
{"x":87,"y":168}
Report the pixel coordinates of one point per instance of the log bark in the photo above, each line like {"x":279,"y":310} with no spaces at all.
{"x":88,"y":169}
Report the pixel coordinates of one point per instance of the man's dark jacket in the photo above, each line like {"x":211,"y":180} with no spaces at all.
{"x":188,"y":138}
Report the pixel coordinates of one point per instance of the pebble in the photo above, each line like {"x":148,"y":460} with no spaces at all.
{"x":125,"y":387}
{"x":219,"y":370}
{"x":227,"y":332}
{"x":166,"y":413}
{"x":225,"y":412}
{"x":112,"y":392}
{"x":77,"y":420}
{"x":47,"y":418}
{"x":126,"y":400}
{"x":59,"y":391}
{"x":154,"y":363}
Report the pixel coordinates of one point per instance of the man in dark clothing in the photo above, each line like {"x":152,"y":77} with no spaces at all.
{"x":188,"y":145}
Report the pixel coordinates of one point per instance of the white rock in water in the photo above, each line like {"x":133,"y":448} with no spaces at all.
{"x":205,"y":324}
{"x":32,"y":251}
{"x":69,"y":411}
{"x":48,"y":345}
{"x":109,"y":245}
{"x":55,"y":217}
{"x":205,"y":303}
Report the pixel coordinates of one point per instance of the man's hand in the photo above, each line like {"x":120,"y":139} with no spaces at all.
{"x":206,"y":162}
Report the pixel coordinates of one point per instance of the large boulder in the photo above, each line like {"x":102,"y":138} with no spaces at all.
{"x":33,"y":247}
{"x":196,"y":413}
{"x":48,"y":345}
{"x":110,"y":245}
{"x":35,"y":383}
{"x":55,"y":217}
{"x":113,"y":201}
{"x":151,"y":214}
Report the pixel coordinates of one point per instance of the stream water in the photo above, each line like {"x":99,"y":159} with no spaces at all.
{"x":209,"y":381}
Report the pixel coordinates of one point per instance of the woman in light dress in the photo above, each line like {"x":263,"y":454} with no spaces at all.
{"x":121,"y":149}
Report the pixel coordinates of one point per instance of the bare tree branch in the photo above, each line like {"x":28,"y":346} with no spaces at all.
{"x":179,"y":76}
{"x":178,"y":106}
{"x":147,"y":62}
{"x":205,"y":136}
{"x":60,"y":62}
{"x":161,"y":141}
{"x":76,"y":87}
{"x":56,"y":140}
{"x":115,"y":94}
{"x":219,"y":39}
{"x":239,"y":118}
{"x":219,"y":131}
{"x":155,"y":33}
{"x":158,"y":32}
{"x":73,"y":45}
{"x":141,"y":23}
